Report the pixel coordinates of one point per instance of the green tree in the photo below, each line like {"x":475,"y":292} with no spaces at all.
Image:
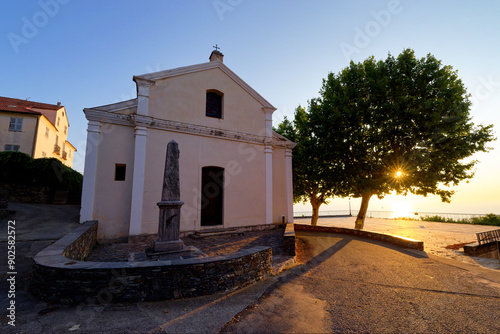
{"x":312,"y":179}
{"x":401,"y":125}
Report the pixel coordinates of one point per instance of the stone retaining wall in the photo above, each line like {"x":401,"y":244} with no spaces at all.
{"x":28,"y":193}
{"x":59,"y":275}
{"x":388,"y":238}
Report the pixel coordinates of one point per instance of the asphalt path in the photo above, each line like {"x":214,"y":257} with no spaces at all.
{"x":36,"y":222}
{"x":345,"y":285}
{"x":352,"y":285}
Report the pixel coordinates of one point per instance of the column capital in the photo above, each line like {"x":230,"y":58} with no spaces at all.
{"x":94,"y":126}
{"x":268,"y":111}
{"x":141,"y":82}
{"x":141,"y":131}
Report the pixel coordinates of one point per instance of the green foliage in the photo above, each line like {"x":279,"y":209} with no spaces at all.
{"x":490,"y":219}
{"x":311,"y":177}
{"x":402,"y":114}
{"x":437,"y":219}
{"x":14,"y":166}
{"x":20,"y":168}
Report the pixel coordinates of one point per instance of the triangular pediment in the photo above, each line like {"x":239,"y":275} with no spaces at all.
{"x":155,"y":76}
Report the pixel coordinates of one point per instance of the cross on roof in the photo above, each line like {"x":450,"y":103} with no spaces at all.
{"x":216,"y":47}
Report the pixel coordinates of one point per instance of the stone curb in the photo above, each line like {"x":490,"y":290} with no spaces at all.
{"x":388,"y":238}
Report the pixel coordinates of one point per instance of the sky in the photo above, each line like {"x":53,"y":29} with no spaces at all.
{"x":85,"y":53}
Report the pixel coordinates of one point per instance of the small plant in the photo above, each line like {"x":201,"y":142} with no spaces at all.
{"x":436,"y":218}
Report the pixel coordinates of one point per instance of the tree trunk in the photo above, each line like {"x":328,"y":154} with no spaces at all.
{"x":315,"y":215}
{"x":360,"y":219}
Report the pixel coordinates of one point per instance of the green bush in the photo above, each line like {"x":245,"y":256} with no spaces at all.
{"x":490,"y":219}
{"x":14,"y":167}
{"x":20,"y":168}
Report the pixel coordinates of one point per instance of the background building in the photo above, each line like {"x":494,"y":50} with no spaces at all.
{"x":37,"y":129}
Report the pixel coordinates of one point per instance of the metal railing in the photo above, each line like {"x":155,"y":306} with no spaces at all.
{"x":390,"y":214}
{"x":487,"y":237}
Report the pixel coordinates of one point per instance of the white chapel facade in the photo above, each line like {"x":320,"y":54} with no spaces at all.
{"x":235,"y":170}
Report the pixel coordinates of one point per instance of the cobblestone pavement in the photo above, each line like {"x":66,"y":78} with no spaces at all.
{"x":436,"y":236}
{"x":212,"y":246}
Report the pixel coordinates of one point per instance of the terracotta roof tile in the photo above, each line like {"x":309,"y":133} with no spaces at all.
{"x":23,"y":106}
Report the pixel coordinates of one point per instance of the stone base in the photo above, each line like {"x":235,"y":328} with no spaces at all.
{"x":168,"y":246}
{"x":187,"y":252}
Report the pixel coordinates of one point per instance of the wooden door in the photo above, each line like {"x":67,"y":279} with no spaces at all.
{"x":212,"y":196}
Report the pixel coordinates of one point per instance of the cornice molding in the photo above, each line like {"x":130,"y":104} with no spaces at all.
{"x":149,"y":122}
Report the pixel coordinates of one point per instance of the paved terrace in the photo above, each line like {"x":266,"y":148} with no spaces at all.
{"x":436,"y":236}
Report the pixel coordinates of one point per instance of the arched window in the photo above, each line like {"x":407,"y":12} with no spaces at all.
{"x":214,"y":104}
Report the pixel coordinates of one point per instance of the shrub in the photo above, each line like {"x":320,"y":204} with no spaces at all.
{"x":20,"y":168}
{"x":489,"y":219}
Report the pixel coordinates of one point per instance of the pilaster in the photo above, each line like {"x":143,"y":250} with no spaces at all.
{"x":289,"y":185}
{"x":89,"y":179}
{"x":269,"y":121}
{"x":268,"y":153}
{"x":138,"y":180}
{"x":143,"y":95}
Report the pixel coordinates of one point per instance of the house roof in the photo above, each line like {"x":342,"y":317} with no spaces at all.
{"x":30,"y":107}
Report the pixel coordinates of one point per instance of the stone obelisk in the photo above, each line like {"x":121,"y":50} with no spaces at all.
{"x":170,"y":204}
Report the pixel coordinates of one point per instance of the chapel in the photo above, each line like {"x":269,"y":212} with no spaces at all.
{"x":234,"y":170}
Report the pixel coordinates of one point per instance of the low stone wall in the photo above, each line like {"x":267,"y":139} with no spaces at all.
{"x":289,"y":240}
{"x":490,"y":249}
{"x":388,"y":238}
{"x":79,"y":243}
{"x":66,"y":279}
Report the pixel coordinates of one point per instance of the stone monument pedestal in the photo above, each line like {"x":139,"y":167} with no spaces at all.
{"x":168,"y":246}
{"x":168,"y":229}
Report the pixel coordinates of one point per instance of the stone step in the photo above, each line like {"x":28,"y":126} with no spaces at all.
{"x":215,"y":233}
